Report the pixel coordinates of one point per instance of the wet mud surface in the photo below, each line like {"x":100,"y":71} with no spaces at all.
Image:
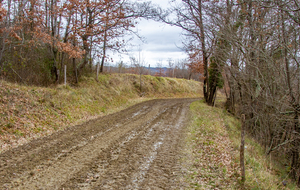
{"x":137,"y":148}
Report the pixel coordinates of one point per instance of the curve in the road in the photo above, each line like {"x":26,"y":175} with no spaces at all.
{"x":137,"y":148}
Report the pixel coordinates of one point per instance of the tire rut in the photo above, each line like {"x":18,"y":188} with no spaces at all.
{"x":111,"y":156}
{"x":26,"y":158}
{"x":132,"y":149}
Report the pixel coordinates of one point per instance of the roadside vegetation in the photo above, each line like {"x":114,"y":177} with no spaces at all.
{"x":29,"y":112}
{"x":212,"y":154}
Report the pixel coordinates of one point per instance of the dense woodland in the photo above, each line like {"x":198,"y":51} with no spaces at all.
{"x":248,"y":47}
{"x":252,"y":49}
{"x":39,"y":37}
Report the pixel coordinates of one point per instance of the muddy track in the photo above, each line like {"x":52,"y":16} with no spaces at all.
{"x":136,"y":148}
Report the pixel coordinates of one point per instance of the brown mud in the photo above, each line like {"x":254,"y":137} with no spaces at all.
{"x":137,"y":148}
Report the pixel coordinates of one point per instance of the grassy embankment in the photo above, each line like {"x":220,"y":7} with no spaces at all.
{"x":28,"y":112}
{"x":212,"y":154}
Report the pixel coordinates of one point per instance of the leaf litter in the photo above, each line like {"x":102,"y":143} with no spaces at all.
{"x":209,"y":152}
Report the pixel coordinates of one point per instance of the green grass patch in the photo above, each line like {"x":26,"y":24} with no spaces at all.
{"x":213,"y":140}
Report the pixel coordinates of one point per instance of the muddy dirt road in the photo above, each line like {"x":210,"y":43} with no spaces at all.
{"x":136,"y":148}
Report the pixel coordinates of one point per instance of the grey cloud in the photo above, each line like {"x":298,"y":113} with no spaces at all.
{"x":162,"y":40}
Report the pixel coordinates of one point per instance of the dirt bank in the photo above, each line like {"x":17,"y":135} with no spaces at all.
{"x":30,"y":112}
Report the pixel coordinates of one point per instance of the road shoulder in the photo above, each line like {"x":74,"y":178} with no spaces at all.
{"x":208,"y":154}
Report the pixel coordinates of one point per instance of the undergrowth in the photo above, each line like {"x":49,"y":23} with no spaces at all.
{"x":213,"y":143}
{"x":28,"y":112}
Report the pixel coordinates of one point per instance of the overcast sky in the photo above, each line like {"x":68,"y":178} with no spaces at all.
{"x":162,"y":42}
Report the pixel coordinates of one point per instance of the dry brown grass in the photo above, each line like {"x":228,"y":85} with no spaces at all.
{"x":29,"y":112}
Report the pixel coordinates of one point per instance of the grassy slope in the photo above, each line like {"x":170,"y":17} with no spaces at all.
{"x":28,"y":112}
{"x":212,"y":154}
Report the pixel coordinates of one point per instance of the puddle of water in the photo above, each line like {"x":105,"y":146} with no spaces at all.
{"x":139,"y":177}
{"x":139,"y":112}
{"x":150,"y":131}
{"x":157,"y":145}
{"x":131,"y":136}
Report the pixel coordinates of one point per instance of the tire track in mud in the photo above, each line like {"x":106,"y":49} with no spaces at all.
{"x":25,"y":158}
{"x":136,"y":148}
{"x":116,"y":157}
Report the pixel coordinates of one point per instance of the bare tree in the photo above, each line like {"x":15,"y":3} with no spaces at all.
{"x":171,"y":68}
{"x":259,"y":51}
{"x":139,"y":64}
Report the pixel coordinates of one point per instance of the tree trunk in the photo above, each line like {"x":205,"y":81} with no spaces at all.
{"x":65,"y":39}
{"x":85,"y":58}
{"x":75,"y":70}
{"x":242,"y":150}
{"x":104,"y":50}
{"x":140,"y":82}
{"x":212,"y":94}
{"x":97,"y":72}
{"x":296,"y":143}
{"x":55,"y":69}
{"x":204,"y":53}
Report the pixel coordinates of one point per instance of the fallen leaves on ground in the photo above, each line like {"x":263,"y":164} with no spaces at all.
{"x":211,"y":164}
